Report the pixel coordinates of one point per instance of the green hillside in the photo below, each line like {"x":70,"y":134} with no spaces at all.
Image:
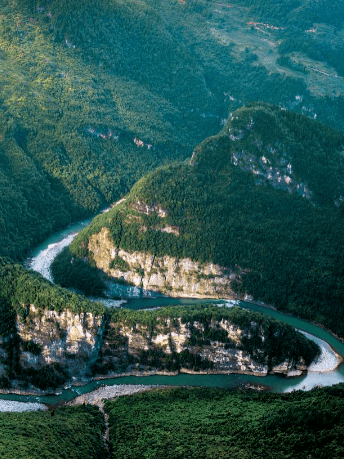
{"x":264,"y":199}
{"x":95,"y":94}
{"x":178,"y":423}
{"x":56,"y":434}
{"x":209,"y":423}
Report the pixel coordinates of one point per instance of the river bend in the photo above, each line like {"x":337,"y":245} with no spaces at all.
{"x":325,"y":372}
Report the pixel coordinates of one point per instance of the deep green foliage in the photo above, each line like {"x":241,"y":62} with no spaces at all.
{"x":23,"y":288}
{"x":7,"y":317}
{"x":48,"y":376}
{"x":66,"y":433}
{"x":283,"y":241}
{"x":119,"y":263}
{"x":267,"y":340}
{"x":209,"y":423}
{"x":156,"y":358}
{"x":70,"y":271}
{"x":31,"y":346}
{"x":79,"y":81}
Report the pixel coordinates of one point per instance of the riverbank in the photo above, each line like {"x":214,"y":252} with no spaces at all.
{"x":276,"y":383}
{"x":328,"y":360}
{"x":287,"y":314}
{"x":18,"y":407}
{"x":97,"y":396}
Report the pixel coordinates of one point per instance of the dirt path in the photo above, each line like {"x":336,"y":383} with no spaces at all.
{"x":98,"y":396}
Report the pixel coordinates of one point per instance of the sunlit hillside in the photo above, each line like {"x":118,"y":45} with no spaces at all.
{"x":94,"y":94}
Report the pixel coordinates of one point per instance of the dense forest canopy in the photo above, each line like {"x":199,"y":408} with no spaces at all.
{"x":208,"y":423}
{"x":54,"y":434}
{"x":180,"y":422}
{"x":94,"y":94}
{"x":264,"y":198}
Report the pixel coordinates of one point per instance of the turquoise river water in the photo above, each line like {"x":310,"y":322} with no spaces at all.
{"x":41,"y":259}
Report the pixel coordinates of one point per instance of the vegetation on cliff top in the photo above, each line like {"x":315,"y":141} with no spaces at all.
{"x":19,"y":289}
{"x":208,"y":423}
{"x":268,"y":341}
{"x":264,"y":198}
{"x":88,"y":105}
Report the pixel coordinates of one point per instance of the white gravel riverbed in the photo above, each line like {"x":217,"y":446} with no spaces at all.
{"x":10,"y":405}
{"x":97,"y":396}
{"x":328,"y":359}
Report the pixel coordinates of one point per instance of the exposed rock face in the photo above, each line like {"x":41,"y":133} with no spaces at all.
{"x":84,"y":345}
{"x":278,"y":170}
{"x":174,"y":337}
{"x":144,"y":208}
{"x":72,"y":340}
{"x":169,"y":275}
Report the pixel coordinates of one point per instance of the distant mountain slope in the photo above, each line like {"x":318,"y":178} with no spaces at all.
{"x":95,"y":94}
{"x":73,"y":127}
{"x":263,"y":201}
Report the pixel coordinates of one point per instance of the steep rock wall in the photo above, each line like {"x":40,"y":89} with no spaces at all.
{"x":82,"y":346}
{"x":168,"y":275}
{"x":71,"y":340}
{"x":173,"y":337}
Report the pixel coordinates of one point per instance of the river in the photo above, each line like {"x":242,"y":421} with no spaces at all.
{"x":325,"y":372}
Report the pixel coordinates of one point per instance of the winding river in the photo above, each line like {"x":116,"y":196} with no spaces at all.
{"x":324,"y":372}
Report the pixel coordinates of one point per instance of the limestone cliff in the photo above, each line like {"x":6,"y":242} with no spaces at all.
{"x":52,"y":349}
{"x":173,"y":345}
{"x":71,"y":340}
{"x":169,"y":275}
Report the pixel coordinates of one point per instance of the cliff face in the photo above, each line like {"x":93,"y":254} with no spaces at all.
{"x":244,"y":216}
{"x":71,"y":340}
{"x":76,"y":347}
{"x":172,"y":347}
{"x":168,"y":275}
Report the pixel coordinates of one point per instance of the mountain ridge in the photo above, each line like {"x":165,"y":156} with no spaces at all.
{"x":80,"y":110}
{"x":248,"y":202}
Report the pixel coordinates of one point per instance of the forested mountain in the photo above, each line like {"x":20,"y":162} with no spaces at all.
{"x":210,"y":423}
{"x":55,"y":434}
{"x":93,"y":94}
{"x":263,"y":200}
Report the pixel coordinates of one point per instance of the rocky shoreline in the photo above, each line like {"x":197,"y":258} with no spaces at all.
{"x":97,"y":396}
{"x":16,"y":407}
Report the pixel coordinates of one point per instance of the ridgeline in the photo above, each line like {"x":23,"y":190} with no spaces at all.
{"x":262,"y":201}
{"x":95,"y":94}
